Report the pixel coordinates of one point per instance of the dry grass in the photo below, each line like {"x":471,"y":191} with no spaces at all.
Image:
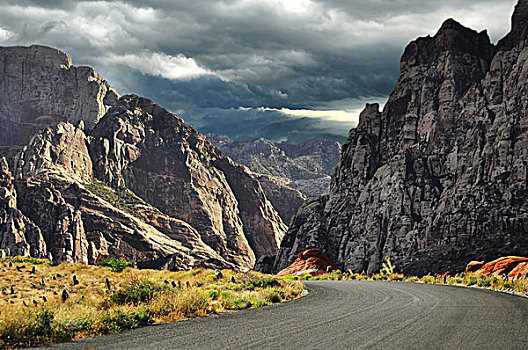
{"x":512,"y":285}
{"x":36,"y":312}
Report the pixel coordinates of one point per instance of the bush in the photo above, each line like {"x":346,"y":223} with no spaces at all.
{"x":193,"y":304}
{"x":471,"y":280}
{"x":272,"y":296}
{"x":115,"y":264}
{"x":19,"y":260}
{"x":261,"y":282}
{"x":482,"y":282}
{"x":289,"y":277}
{"x":212,"y":293}
{"x":306,"y":277}
{"x":259,"y":303}
{"x":118,"y":320}
{"x":237,"y":304}
{"x":142,"y":291}
{"x":37,"y":327}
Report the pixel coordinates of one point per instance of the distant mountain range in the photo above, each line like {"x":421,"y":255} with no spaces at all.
{"x":306,"y":167}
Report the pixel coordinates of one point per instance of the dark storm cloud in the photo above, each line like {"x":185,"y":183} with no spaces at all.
{"x":230,"y":54}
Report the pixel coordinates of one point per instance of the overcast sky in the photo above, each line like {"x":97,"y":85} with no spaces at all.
{"x":326,"y":58}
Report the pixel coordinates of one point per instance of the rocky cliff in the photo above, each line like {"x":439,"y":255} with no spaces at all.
{"x":118,"y":176}
{"x":440,"y":176}
{"x":40,"y":87}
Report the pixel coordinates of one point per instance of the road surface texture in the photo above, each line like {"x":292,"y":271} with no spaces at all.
{"x":348,"y":315}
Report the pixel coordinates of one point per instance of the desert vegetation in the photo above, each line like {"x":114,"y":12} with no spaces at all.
{"x":518,"y":285}
{"x":44,"y":302}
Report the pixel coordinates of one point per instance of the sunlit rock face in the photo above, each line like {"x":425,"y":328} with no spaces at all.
{"x":439,"y":177}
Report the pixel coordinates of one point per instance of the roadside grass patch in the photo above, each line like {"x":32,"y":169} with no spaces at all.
{"x":517,"y":285}
{"x":47,"y":306}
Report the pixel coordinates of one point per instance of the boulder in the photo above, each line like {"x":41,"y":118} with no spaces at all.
{"x":473,"y":266}
{"x":520,"y":270}
{"x":311,"y":261}
{"x":501,"y":266}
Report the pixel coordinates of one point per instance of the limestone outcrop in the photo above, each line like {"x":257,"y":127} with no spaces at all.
{"x":439,"y":176}
{"x":306,"y":167}
{"x":288,"y":173}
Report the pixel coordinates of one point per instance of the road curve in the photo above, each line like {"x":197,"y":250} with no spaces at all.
{"x":348,"y":315}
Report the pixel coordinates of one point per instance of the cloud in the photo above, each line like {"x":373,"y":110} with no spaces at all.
{"x":159,"y":64}
{"x":292,"y":54}
{"x":5,"y":34}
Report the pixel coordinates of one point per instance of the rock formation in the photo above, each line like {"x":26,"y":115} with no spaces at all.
{"x":311,"y":261}
{"x":40,"y":87}
{"x":103,"y":175}
{"x":18,"y":235}
{"x":439,"y":177}
{"x":474,"y":266}
{"x":510,"y":266}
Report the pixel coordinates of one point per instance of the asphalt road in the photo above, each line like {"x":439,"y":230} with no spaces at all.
{"x":348,"y":315}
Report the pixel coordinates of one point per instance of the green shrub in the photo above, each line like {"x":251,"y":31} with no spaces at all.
{"x":212,"y":293}
{"x":289,"y":277}
{"x":306,"y":277}
{"x":483,"y":282}
{"x":352,"y":275}
{"x":237,"y":304}
{"x":259,"y":303}
{"x":272,"y":296}
{"x":53,"y":263}
{"x":261,"y":282}
{"x":136,"y":292}
{"x":118,"y":320}
{"x":471,"y":280}
{"x":115,"y":264}
{"x":37,"y":327}
{"x":193,"y":304}
{"x":19,"y":260}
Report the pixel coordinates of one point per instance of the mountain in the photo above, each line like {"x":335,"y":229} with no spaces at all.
{"x":440,"y":176}
{"x":305,"y":167}
{"x":98,"y":174}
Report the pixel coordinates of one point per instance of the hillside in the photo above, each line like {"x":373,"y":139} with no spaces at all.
{"x":101,"y":174}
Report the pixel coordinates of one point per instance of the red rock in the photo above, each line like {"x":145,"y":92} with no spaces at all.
{"x":474,"y":266}
{"x":501,"y":266}
{"x":521,"y":269}
{"x":311,"y":261}
{"x":447,"y":274}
